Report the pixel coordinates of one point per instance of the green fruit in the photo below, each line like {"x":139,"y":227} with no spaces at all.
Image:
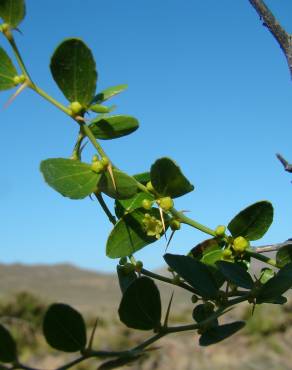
{"x":174,"y":224}
{"x":75,"y":107}
{"x":194,"y":299}
{"x":97,"y":167}
{"x":104,"y":161}
{"x":16,"y":80}
{"x":95,"y":158}
{"x":4,"y":27}
{"x":227,"y":253}
{"x":220,"y":230}
{"x":240,"y":244}
{"x":165,"y":203}
{"x":146,"y":204}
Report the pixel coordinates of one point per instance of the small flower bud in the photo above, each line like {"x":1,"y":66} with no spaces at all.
{"x":174,"y":224}
{"x":149,"y":186}
{"x":165,"y":203}
{"x":220,"y":230}
{"x":97,"y":167}
{"x":146,"y":204}
{"x":240,"y":244}
{"x":75,"y":107}
{"x":194,"y":299}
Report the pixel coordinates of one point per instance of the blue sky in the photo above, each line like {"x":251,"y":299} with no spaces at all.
{"x":211,"y":90}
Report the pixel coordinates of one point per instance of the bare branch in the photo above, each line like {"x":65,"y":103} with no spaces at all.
{"x":283,"y":38}
{"x":272,"y":247}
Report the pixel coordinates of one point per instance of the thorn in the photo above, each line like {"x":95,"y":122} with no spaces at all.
{"x":168,"y":311}
{"x":19,"y":31}
{"x":110,"y":170}
{"x":15,"y":95}
{"x":286,"y":165}
{"x":162,"y":218}
{"x":253,"y":308}
{"x":92,"y":335}
{"x":169,"y":240}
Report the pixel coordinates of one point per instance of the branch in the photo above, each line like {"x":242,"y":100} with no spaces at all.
{"x":272,"y":247}
{"x":283,"y":38}
{"x":287,"y":166}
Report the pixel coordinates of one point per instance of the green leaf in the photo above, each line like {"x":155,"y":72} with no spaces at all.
{"x":8,"y":352}
{"x":98,"y":108}
{"x":73,"y":68}
{"x":64,"y":328}
{"x":125,"y":186}
{"x":12,"y":11}
{"x":219,"y":333}
{"x":195,"y":273}
{"x":168,"y":180}
{"x":129,"y":234}
{"x":202,"y":312}
{"x":71,"y":178}
{"x":253,"y":222}
{"x":125,"y":279}
{"x":266,"y":275}
{"x":143,"y":177}
{"x":108,"y":93}
{"x":140,"y":307}
{"x":7,"y":72}
{"x":113,"y":127}
{"x":235,"y":274}
{"x":284,"y":255}
{"x":129,"y":205}
{"x":276,"y":286}
{"x":210,"y":259}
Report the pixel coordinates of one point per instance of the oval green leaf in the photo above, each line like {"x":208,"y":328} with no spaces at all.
{"x":109,"y":93}
{"x":7,"y":72}
{"x":235,"y":274}
{"x":129,"y":235}
{"x":195,"y":273}
{"x":219,"y":333}
{"x":107,"y":128}
{"x":276,"y":286}
{"x":121,"y":186}
{"x":284,"y":255}
{"x":168,"y":180}
{"x":12,"y":11}
{"x":253,"y":222}
{"x":73,"y":68}
{"x":8,"y":352}
{"x":71,"y":178}
{"x":140,"y":307}
{"x":64,"y":328}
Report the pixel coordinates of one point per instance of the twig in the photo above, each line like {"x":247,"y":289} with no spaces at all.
{"x":283,"y":38}
{"x":287,"y":166}
{"x":272,"y":247}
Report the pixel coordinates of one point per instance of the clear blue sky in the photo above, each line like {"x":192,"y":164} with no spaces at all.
{"x":210,"y":88}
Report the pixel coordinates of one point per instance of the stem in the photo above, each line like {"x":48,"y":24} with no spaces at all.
{"x":103,"y":205}
{"x":186,"y":220}
{"x":148,"y":342}
{"x":263,"y":258}
{"x":272,"y":247}
{"x":167,"y":280}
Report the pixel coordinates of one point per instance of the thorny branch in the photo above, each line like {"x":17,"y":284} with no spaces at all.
{"x":283,"y":38}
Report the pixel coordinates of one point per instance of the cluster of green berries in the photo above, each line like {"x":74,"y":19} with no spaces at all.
{"x":99,"y":165}
{"x":19,"y":79}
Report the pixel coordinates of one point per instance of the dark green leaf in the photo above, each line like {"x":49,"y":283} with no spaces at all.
{"x":73,"y":68}
{"x":276,"y":286}
{"x":219,"y":333}
{"x":140,"y":307}
{"x":168,"y":180}
{"x":71,"y":178}
{"x":12,"y":11}
{"x":253,"y":222}
{"x":129,"y":205}
{"x":106,"y":128}
{"x":143,"y":177}
{"x":212,"y":257}
{"x":64,"y":328}
{"x":129,"y":234}
{"x":202,"y":312}
{"x":284,"y":255}
{"x":195,"y":273}
{"x":108,"y":93}
{"x":125,"y":278}
{"x":235,"y":274}
{"x":8,"y":352}
{"x":125,"y":186}
{"x":7,"y":72}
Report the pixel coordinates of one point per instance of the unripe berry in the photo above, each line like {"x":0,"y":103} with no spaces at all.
{"x":75,"y":107}
{"x":149,"y":186}
{"x":220,"y":230}
{"x":104,"y":161}
{"x":139,"y":265}
{"x":176,"y":280}
{"x":146,"y":204}
{"x":97,"y":167}
{"x":194,"y":299}
{"x":174,"y":224}
{"x":16,"y":80}
{"x":240,"y":244}
{"x":4,"y":27}
{"x":227,"y":253}
{"x":95,"y":158}
{"x":165,"y":203}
